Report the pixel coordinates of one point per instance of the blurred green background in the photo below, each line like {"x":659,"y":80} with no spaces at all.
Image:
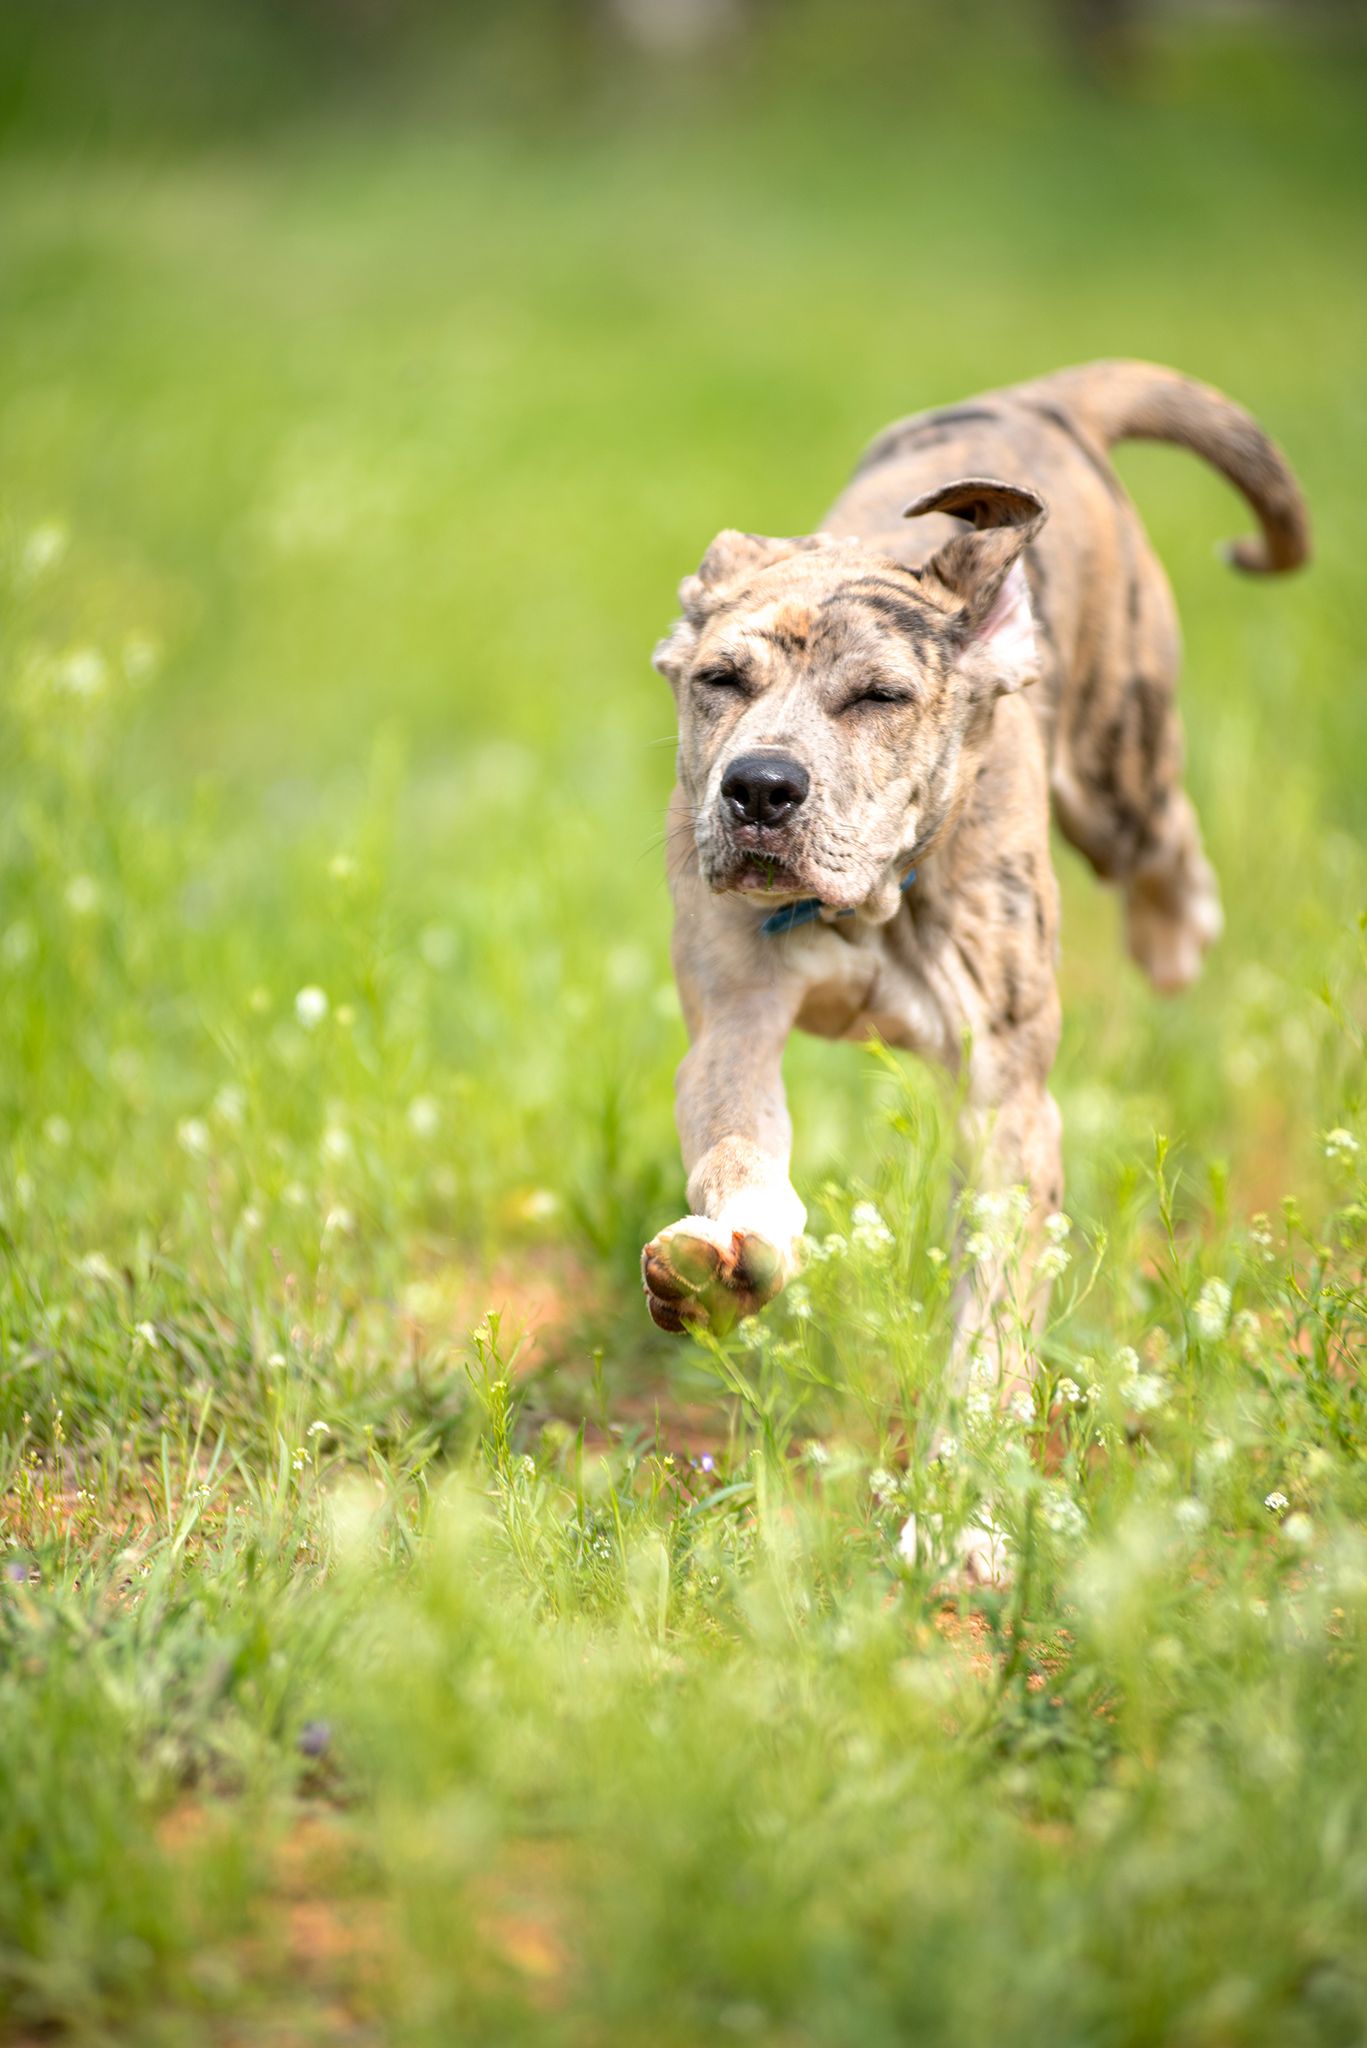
{"x":384,"y":368}
{"x":370,"y":374}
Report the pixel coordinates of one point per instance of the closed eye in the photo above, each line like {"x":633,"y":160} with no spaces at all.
{"x":877,"y":693}
{"x":721,"y":679}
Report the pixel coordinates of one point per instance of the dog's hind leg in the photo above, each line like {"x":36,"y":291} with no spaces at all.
{"x":1117,"y":778}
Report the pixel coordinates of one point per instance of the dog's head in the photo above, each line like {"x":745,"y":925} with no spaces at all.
{"x":831,"y":699}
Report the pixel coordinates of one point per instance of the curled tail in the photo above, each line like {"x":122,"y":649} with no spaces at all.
{"x":1128,"y":401}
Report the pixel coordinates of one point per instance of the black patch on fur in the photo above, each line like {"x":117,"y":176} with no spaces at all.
{"x":900,"y":612}
{"x":1150,"y":704}
{"x":1019,"y":897}
{"x":1010,"y":1014}
{"x":924,"y":431}
{"x":1098,"y":462}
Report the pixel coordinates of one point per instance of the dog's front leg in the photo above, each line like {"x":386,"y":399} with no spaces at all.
{"x":1012,"y":1125}
{"x":741,"y":1243}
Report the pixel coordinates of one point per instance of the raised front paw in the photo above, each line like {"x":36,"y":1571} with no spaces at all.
{"x":700,"y":1274}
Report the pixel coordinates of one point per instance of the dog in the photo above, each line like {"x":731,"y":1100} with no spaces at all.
{"x":875,"y":722}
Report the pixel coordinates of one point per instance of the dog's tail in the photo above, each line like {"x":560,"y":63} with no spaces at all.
{"x":1128,"y":401}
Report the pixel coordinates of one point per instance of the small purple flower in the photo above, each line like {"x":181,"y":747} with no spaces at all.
{"x":315,"y":1738}
{"x":708,"y":1462}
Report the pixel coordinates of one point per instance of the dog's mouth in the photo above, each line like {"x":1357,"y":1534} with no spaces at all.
{"x":754,"y":862}
{"x":765,"y":878}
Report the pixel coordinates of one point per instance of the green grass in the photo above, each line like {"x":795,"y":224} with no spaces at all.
{"x":366,"y":1673}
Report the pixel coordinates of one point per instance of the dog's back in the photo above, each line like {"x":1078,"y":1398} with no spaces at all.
{"x":1107,"y":627}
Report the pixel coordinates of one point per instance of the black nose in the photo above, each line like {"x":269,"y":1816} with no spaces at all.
{"x":764,"y":789}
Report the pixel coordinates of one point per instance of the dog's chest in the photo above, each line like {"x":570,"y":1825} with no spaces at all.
{"x":872,"y":984}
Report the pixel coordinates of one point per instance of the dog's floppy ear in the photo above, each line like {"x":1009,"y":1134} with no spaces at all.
{"x":728,"y":565}
{"x":980,"y":574}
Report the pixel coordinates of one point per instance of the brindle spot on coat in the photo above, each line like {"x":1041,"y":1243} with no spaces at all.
{"x":790,"y":630}
{"x":927,"y":430}
{"x":898,"y":612}
{"x":1095,"y":461}
{"x":1019,"y":898}
{"x":1010,"y":1013}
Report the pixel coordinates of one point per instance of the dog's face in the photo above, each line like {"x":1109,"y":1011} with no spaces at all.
{"x":831,"y":699}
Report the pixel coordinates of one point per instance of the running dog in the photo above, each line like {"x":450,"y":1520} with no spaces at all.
{"x":874,"y":724}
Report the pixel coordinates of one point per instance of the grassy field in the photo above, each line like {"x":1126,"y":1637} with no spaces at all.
{"x":399,"y":1640}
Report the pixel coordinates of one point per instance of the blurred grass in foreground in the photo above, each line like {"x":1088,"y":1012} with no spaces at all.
{"x":363,"y":1679}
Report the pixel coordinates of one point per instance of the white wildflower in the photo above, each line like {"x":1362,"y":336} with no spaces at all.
{"x":1340,"y":1146}
{"x":1062,"y":1514}
{"x":1247,"y":1330}
{"x":43,"y":549}
{"x":1299,"y":1530}
{"x":82,"y":673}
{"x":1276,"y":1503}
{"x":424,"y":1116}
{"x":1211,"y":1313}
{"x":82,"y":896}
{"x":1052,"y":1262}
{"x":1127,"y":1359}
{"x":192,"y":1135}
{"x":1191,"y":1514}
{"x":978,"y":1405}
{"x":1214,"y":1456}
{"x":230,"y":1104}
{"x":884,"y":1485}
{"x":140,"y":658}
{"x":1057,"y":1227}
{"x":817,"y":1454}
{"x":147,"y":1333}
{"x":1069,"y":1392}
{"x":948,"y":1451}
{"x":311,"y":1006}
{"x":1022,"y":1407}
{"x":1144,"y":1392}
{"x":317,"y":1429}
{"x":870,"y":1233}
{"x":977,"y":1247}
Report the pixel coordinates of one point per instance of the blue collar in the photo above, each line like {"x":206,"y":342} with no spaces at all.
{"x":809,"y":910}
